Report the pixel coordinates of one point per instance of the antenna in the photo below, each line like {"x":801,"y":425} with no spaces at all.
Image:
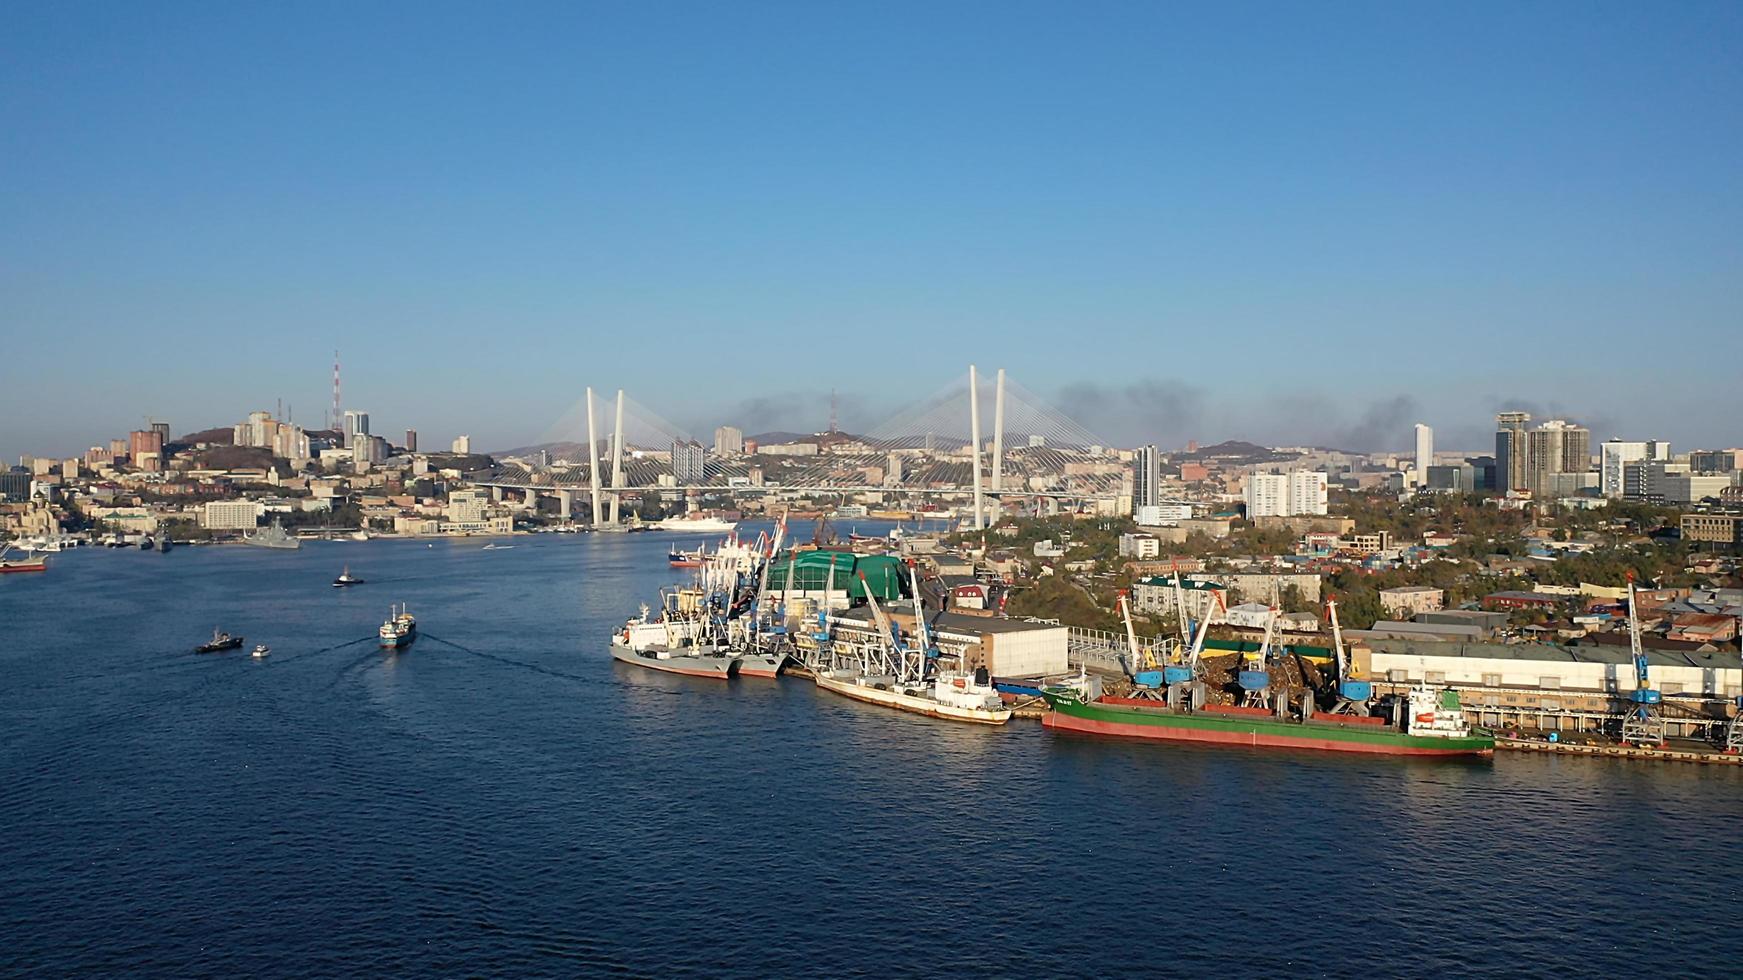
{"x":335,"y":421}
{"x":832,"y":416}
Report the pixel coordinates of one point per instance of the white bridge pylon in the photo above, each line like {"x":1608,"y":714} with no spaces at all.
{"x":933,"y":446}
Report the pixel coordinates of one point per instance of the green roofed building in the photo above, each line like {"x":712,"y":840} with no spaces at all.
{"x":887,"y":576}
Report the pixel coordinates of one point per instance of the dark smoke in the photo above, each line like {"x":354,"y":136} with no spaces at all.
{"x":1146,"y":411}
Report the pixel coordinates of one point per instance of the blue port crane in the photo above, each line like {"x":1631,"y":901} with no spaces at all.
{"x":1644,"y":722}
{"x":1255,"y":673}
{"x":1182,"y":667}
{"x":1146,"y":672}
{"x":1353,"y":690}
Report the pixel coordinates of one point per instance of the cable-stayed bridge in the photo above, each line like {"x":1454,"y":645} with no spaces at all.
{"x":1026,"y":448}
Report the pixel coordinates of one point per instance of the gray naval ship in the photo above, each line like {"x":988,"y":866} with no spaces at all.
{"x":272,"y":536}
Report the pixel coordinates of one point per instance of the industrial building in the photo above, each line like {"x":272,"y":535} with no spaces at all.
{"x":1559,"y":688}
{"x":1005,"y":647}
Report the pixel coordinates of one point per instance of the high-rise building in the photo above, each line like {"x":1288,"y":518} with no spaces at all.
{"x":1614,"y":457}
{"x":1424,"y":453}
{"x":688,"y":461}
{"x":1267,"y":495}
{"x":411,"y":440}
{"x":1298,"y":492}
{"x":1713,"y":460}
{"x":355,"y":422}
{"x":1555,"y":447}
{"x":1510,"y":450}
{"x":162,"y":430}
{"x":728,"y":441}
{"x":144,"y":445}
{"x":1147,"y":477}
{"x":462,"y":445}
{"x":893,"y":471}
{"x":1307,"y":492}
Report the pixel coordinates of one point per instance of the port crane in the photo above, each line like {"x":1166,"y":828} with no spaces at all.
{"x":1147,"y":674}
{"x":1644,"y":722}
{"x":1190,"y":694}
{"x":1734,"y":730}
{"x":1178,"y":669}
{"x":1353,"y":691}
{"x":1255,"y":674}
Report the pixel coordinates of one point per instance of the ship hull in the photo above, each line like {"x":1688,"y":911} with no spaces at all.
{"x":687,"y":664}
{"x":24,"y":566}
{"x":912,"y":704}
{"x":760,"y":665}
{"x":1213,"y":729}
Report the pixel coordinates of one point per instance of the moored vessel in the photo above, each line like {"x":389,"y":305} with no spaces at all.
{"x":679,"y":642}
{"x":1434,"y":725}
{"x":951,"y":696}
{"x":893,"y":674}
{"x":29,"y":563}
{"x":273,"y":536}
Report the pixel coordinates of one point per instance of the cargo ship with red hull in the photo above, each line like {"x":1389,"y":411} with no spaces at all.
{"x":1434,"y":725}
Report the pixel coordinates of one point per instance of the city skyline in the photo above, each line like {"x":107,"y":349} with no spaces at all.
{"x":1369,"y":435}
{"x":1369,"y":217}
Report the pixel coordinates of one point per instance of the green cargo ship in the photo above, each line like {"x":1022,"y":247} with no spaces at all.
{"x":1434,"y":725}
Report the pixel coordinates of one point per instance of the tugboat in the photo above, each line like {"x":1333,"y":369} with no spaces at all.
{"x":261,"y":651}
{"x":220,"y":642}
{"x":399,"y":630}
{"x":346,"y":578}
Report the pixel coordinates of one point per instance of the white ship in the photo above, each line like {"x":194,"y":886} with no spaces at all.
{"x":696,"y":524}
{"x":894,"y":674}
{"x":952,"y":696}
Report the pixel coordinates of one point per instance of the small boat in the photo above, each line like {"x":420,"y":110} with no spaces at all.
{"x":678,"y":558}
{"x":346,"y":578}
{"x":261,"y":651}
{"x":399,"y":630}
{"x":220,"y":642}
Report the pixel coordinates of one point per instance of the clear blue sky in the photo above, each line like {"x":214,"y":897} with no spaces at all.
{"x":1284,"y":222}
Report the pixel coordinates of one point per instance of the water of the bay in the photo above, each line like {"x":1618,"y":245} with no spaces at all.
{"x":504,"y":799}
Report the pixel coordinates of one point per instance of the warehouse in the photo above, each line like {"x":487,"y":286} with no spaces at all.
{"x":1005,"y":647}
{"x":1564,"y":688}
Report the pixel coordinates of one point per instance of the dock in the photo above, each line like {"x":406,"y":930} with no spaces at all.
{"x":1503,"y":744}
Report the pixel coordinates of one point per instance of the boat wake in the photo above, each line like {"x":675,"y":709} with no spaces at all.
{"x":509,"y":661}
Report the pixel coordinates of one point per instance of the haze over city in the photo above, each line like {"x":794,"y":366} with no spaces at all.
{"x":1411,"y":215}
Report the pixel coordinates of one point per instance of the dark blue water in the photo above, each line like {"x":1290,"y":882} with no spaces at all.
{"x":504,"y":799}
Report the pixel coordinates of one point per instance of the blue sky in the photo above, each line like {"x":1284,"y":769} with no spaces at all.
{"x":1280,"y":222}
